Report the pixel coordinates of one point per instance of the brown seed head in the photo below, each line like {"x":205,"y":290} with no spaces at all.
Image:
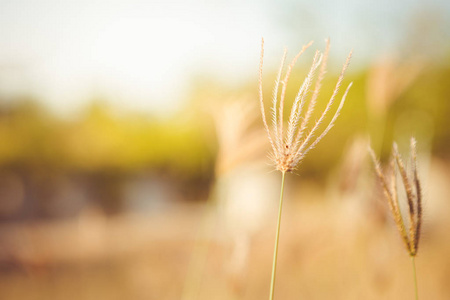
{"x":413,"y":196}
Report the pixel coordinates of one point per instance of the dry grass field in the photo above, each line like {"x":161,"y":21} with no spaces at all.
{"x":338,"y":249}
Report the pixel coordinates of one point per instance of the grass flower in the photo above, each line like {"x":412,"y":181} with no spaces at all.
{"x":292,"y":139}
{"x":413,"y":191}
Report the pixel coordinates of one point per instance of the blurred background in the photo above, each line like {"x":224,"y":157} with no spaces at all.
{"x":133,"y":164}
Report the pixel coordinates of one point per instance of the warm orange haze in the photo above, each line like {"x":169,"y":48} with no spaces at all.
{"x":135,"y":162}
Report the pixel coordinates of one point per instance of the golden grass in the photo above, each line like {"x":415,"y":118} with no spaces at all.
{"x":413,"y":191}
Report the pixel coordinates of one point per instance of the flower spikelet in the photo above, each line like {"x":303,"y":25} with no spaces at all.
{"x":290,"y":145}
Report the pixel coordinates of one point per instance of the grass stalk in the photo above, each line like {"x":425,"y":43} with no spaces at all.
{"x":275,"y":252}
{"x":413,"y":260}
{"x":290,"y":146}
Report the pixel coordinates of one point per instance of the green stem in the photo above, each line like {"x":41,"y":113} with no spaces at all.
{"x":413,"y":259}
{"x":275,"y":253}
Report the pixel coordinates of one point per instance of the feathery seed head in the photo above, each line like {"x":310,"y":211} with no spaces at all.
{"x":290,"y":145}
{"x":413,"y":191}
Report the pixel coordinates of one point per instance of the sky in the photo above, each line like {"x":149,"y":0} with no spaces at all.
{"x":141,"y":55}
